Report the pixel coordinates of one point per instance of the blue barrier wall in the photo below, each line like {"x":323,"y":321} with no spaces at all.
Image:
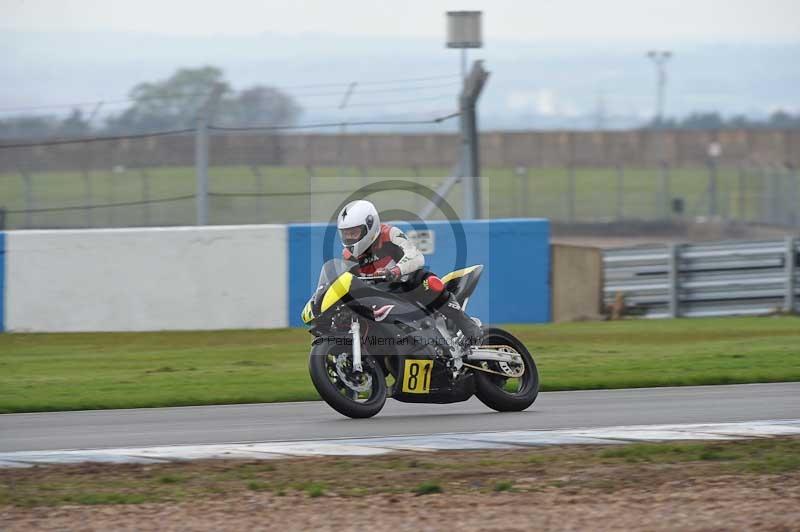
{"x":514,"y":288}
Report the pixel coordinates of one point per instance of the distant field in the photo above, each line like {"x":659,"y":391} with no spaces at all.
{"x":41,"y":372}
{"x":541,"y":192}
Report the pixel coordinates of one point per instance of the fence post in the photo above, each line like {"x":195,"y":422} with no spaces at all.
{"x":794,"y":198}
{"x":201,"y":170}
{"x":112,"y":183}
{"x":740,"y":198}
{"x":204,"y":117}
{"x":673,"y":280}
{"x":571,"y":193}
{"x":145,"y":197}
{"x":666,"y":191}
{"x":790,"y":264}
{"x":620,"y":191}
{"x":27,"y":182}
{"x":712,"y":187}
{"x":87,"y":198}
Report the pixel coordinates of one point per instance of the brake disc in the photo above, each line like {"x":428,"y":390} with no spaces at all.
{"x":344,"y":371}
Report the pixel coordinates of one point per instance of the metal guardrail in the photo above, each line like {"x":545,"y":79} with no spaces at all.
{"x":710,"y":279}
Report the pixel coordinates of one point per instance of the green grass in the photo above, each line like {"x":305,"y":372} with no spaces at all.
{"x":503,"y":485}
{"x":428,"y":488}
{"x":543,"y":193}
{"x":575,"y":469}
{"x":42,"y":372}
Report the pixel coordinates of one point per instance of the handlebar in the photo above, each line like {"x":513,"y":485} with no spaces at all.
{"x":372,"y":278}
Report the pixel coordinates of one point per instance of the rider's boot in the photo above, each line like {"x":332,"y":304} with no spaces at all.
{"x":470,"y":327}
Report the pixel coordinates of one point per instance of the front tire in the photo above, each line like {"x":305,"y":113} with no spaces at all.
{"x":492,"y":389}
{"x":344,"y":390}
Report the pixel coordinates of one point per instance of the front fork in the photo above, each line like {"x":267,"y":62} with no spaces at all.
{"x":355,"y":331}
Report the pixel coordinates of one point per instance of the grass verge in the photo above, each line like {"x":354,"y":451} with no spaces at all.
{"x":43,"y":372}
{"x":588,"y":468}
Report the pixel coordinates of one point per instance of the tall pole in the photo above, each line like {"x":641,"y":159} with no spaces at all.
{"x":470,"y":161}
{"x":201,"y":153}
{"x":659,"y":59}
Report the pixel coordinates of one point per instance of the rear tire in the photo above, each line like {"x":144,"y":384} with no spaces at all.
{"x":321,"y":375}
{"x":489,"y":388}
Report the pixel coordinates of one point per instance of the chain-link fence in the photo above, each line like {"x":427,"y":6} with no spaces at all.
{"x":270,"y":176}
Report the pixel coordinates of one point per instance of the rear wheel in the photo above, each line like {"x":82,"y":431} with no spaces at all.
{"x":351,"y":393}
{"x":511,"y":387}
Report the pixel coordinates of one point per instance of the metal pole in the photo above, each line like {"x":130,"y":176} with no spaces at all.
{"x":660,"y":59}
{"x":666,"y":191}
{"x":794,"y":199}
{"x":774,"y":197}
{"x":201,"y":170}
{"x":790,"y":263}
{"x":673,"y":284}
{"x":27,"y":181}
{"x":470,"y":155}
{"x":260,"y":191}
{"x":201,"y":152}
{"x":740,"y":199}
{"x":712,"y":187}
{"x":145,"y":197}
{"x":571,"y":193}
{"x":620,"y":191}
{"x":87,"y":197}
{"x":112,"y":183}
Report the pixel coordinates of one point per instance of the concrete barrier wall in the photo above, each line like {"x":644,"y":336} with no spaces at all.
{"x":146,"y":279}
{"x":208,"y":278}
{"x":514,"y":287}
{"x":577,"y":282}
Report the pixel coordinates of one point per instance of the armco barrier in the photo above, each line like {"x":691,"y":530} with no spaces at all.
{"x":146,"y":279}
{"x":707,"y":279}
{"x":515,"y":287}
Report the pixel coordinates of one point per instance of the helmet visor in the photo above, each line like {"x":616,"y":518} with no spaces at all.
{"x":351,"y":235}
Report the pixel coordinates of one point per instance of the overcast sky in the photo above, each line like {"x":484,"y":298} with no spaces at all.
{"x":656,"y":21}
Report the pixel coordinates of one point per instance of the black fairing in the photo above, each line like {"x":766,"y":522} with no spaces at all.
{"x":462,"y":287}
{"x":405,"y":332}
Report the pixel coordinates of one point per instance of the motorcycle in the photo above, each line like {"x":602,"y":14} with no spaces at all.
{"x":372,"y":341}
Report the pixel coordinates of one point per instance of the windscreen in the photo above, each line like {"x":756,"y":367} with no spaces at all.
{"x":331,"y":270}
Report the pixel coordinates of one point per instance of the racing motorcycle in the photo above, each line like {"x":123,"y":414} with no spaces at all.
{"x":372,"y":342}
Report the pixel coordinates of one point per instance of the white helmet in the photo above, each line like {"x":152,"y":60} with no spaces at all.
{"x":361,"y":215}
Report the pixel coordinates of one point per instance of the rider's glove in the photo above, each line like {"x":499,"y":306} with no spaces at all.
{"x":392,"y":274}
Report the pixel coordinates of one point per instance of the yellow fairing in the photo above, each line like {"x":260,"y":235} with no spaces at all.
{"x":307,"y":314}
{"x":337,"y":290}
{"x":458,"y":273}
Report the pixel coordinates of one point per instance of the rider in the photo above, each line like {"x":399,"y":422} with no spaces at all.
{"x":384,"y":250}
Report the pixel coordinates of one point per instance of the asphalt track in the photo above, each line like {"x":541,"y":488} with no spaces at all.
{"x":314,"y":420}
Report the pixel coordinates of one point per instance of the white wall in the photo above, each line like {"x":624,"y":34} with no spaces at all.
{"x":146,"y":279}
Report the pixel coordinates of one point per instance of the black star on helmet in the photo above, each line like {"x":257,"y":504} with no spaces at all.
{"x":344,"y":213}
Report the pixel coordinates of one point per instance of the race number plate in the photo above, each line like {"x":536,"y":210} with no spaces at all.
{"x":417,"y":376}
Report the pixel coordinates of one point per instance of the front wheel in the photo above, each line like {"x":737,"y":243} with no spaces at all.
{"x":516,"y":389}
{"x":353,"y":394}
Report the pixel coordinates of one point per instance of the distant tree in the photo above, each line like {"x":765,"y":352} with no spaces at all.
{"x":28,"y":127}
{"x":259,"y":105}
{"x":782,"y":119}
{"x":741,"y":121}
{"x":702,"y":121}
{"x":75,"y":125}
{"x":170,"y":103}
{"x":175,"y":102}
{"x":713,"y":120}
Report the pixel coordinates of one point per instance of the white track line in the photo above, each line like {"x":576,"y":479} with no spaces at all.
{"x":434,"y":442}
